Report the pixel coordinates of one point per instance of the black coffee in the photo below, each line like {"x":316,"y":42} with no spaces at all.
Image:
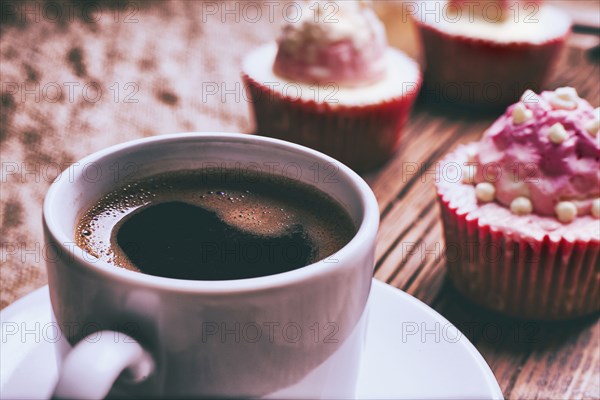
{"x":214,"y":225}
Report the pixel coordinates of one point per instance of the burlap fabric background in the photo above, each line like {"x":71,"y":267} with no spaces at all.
{"x":80,"y":76}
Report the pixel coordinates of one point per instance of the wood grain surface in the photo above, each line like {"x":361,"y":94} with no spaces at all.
{"x":79,"y":76}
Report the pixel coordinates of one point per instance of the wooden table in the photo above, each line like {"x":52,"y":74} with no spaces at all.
{"x":101,"y":74}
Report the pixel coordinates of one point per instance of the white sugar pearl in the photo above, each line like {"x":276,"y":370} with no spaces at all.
{"x":485,"y":192}
{"x":566,"y":93}
{"x":566,"y":211}
{"x":529,"y":97}
{"x":596,"y":208}
{"x":521,"y":206}
{"x":593,"y":125}
{"x":469,"y":172}
{"x":471,"y":154}
{"x":521,"y":114}
{"x":560,"y":104}
{"x":557,"y":133}
{"x":564,"y":98}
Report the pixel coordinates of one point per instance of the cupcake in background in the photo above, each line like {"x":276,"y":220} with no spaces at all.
{"x":400,"y":27}
{"x":331,"y":83}
{"x":521,"y":209}
{"x":487,"y":52}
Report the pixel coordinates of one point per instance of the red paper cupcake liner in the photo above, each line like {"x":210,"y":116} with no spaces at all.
{"x":362,"y":136}
{"x":461,"y":69}
{"x":526,"y":278}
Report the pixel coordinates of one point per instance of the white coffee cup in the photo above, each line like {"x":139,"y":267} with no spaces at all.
{"x":293,"y":334}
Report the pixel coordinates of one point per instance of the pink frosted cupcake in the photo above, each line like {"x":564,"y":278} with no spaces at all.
{"x":333,"y":84}
{"x":521,"y":209}
{"x":487,"y":52}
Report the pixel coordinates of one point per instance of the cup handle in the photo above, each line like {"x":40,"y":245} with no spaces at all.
{"x":93,"y":365}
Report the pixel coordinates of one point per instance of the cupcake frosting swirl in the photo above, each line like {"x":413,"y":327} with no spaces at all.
{"x":341,"y":42}
{"x":543,"y":155}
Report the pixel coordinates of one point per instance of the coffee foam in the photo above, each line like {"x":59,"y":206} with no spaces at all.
{"x":261,"y":205}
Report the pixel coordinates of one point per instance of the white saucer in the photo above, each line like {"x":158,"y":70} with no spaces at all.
{"x":411,"y":351}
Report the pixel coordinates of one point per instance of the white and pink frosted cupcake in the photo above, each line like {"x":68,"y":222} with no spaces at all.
{"x":521,"y":209}
{"x":487,"y":52}
{"x":331,"y":82}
